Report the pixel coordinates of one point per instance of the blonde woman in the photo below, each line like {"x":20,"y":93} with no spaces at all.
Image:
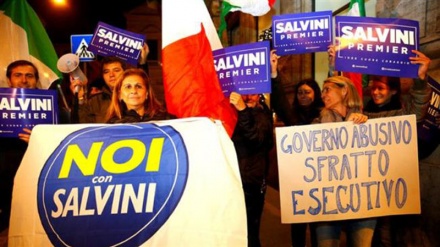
{"x":343,"y":103}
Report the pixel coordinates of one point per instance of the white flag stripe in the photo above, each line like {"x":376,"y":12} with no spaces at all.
{"x":253,"y":7}
{"x":13,"y":47}
{"x":181,"y":19}
{"x":23,"y":37}
{"x":354,"y":11}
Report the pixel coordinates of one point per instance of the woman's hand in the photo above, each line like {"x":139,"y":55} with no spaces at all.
{"x":357,"y":118}
{"x":25,"y":136}
{"x":424,"y":62}
{"x":331,"y":51}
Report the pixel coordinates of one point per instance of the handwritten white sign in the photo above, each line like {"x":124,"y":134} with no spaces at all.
{"x":338,"y":171}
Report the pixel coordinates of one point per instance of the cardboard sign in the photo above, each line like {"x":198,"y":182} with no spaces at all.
{"x":338,"y":171}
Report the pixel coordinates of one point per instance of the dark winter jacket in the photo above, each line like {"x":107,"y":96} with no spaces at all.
{"x":253,"y":139}
{"x":95,"y":110}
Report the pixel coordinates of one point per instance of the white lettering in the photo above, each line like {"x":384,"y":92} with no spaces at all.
{"x":379,"y":34}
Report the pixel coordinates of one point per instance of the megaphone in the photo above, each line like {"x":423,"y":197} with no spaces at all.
{"x":69,"y":64}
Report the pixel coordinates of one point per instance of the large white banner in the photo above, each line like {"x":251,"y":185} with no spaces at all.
{"x":338,"y":171}
{"x":167,"y":183}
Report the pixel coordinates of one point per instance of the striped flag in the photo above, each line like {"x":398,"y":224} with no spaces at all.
{"x":24,"y":37}
{"x":192,"y":88}
{"x":356,"y":8}
{"x":252,"y":7}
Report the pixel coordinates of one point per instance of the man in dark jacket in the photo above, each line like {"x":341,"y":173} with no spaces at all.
{"x":20,"y":74}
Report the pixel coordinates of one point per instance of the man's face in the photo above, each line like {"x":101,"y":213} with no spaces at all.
{"x":251,"y":100}
{"x":23,"y":77}
{"x":111,"y":73}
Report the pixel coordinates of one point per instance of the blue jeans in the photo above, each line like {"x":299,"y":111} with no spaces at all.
{"x":359,"y":232}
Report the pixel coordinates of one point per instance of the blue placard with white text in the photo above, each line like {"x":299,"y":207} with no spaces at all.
{"x":244,"y":69}
{"x":24,"y":108}
{"x":108,"y":40}
{"x":80,"y":46}
{"x":378,"y":46}
{"x":302,"y":32}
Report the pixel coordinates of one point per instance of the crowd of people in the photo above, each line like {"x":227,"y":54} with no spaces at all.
{"x":126,"y":96}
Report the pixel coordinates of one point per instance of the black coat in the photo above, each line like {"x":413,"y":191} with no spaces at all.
{"x":253,"y":139}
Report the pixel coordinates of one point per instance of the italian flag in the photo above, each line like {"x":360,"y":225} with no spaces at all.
{"x":24,"y":37}
{"x":357,"y":8}
{"x":191,"y":85}
{"x":252,"y":7}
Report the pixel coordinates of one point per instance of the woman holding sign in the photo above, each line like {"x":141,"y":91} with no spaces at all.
{"x":386,"y":101}
{"x":343,"y":103}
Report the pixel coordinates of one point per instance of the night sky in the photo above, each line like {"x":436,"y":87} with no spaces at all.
{"x":81,"y":16}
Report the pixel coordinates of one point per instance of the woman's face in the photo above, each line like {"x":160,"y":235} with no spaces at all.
{"x":133,"y":92}
{"x":332,"y":95}
{"x":305,"y":95}
{"x":381,"y":93}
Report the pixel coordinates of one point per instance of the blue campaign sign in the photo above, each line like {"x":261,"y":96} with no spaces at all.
{"x":244,"y":68}
{"x":302,"y":32}
{"x":80,"y":47}
{"x":376,"y":46}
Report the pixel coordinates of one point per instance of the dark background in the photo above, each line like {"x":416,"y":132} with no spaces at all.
{"x":80,"y":16}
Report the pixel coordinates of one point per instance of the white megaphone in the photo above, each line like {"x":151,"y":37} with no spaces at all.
{"x":69,"y":64}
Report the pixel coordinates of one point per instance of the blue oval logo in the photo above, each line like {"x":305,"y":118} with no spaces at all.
{"x":112,"y":185}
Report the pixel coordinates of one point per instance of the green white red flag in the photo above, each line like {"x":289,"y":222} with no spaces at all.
{"x":191,"y":85}
{"x":252,"y":7}
{"x":356,"y":8}
{"x":24,"y":37}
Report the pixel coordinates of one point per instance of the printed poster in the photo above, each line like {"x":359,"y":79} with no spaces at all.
{"x":377,"y":46}
{"x":302,"y":33}
{"x":108,"y":40}
{"x":429,"y":127}
{"x":159,"y":183}
{"x":244,"y":69}
{"x":24,"y":108}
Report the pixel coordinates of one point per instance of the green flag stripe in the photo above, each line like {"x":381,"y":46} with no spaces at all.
{"x":40,"y":45}
{"x":360,"y":5}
